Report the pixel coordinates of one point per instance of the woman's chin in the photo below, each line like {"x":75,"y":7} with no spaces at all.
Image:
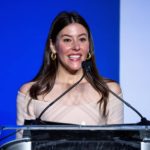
{"x":72,"y":67}
{"x":74,"y":70}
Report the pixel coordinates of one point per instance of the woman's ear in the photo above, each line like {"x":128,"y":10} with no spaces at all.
{"x":52,"y":47}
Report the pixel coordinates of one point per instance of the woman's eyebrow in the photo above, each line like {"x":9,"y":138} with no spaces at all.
{"x":82,"y":34}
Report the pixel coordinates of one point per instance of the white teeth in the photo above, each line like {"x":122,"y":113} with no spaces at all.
{"x":74,"y":56}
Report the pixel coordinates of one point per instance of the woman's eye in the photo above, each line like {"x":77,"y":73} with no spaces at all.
{"x":83,"y":39}
{"x":67,"y":40}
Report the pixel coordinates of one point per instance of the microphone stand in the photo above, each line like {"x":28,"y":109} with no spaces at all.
{"x":69,"y":89}
{"x":39,"y":117}
{"x":87,"y":67}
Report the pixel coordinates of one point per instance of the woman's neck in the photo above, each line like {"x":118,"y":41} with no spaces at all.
{"x":64,"y":76}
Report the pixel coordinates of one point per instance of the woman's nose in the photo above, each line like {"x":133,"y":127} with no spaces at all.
{"x":76,"y":45}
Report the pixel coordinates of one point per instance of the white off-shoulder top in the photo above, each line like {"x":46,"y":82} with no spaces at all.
{"x":75,"y":108}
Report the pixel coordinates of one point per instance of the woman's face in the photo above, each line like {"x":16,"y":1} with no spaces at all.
{"x":72,"y":46}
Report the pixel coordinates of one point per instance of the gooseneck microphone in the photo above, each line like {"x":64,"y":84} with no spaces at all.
{"x":39,"y":117}
{"x":87,"y":65}
{"x":65,"y":92}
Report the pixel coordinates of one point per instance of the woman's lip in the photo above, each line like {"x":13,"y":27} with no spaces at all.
{"x":74,"y":57}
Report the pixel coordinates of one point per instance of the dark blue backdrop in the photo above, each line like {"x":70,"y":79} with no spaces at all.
{"x":23,"y":30}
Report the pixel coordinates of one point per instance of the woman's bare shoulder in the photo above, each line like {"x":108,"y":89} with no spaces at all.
{"x":114,"y":86}
{"x":26,"y":87}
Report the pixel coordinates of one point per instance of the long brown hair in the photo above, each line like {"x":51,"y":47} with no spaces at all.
{"x":45,"y":79}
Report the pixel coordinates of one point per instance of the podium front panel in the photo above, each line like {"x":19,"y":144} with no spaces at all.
{"x":80,"y":138}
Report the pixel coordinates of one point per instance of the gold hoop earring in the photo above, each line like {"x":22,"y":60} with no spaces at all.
{"x":88,"y":56}
{"x":53,"y":56}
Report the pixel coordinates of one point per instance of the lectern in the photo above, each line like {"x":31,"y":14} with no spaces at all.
{"x":74,"y":137}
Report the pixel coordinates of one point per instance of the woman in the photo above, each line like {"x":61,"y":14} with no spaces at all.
{"x":69,"y":43}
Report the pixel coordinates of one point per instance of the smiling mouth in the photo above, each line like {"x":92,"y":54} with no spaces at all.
{"x":74,"y":57}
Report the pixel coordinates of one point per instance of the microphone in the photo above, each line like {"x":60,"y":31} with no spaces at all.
{"x":65,"y":92}
{"x":38,"y":120}
{"x":87,"y":67}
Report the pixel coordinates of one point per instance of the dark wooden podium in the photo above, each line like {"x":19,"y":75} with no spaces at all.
{"x":74,"y":137}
